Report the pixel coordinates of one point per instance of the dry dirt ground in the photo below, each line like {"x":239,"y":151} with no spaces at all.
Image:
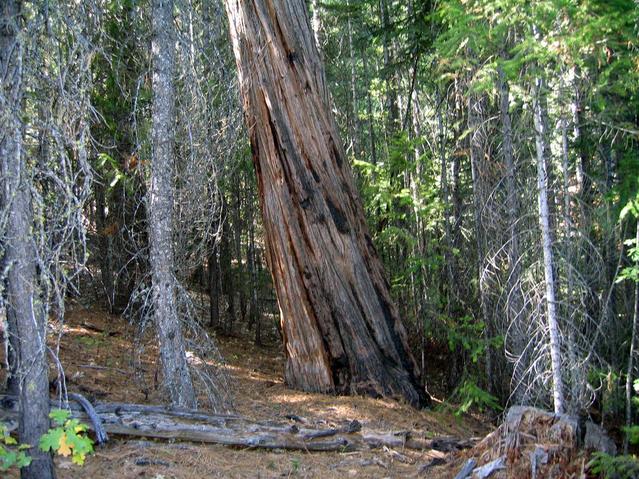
{"x":96,"y":351}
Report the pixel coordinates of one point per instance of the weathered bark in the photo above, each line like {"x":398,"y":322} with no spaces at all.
{"x":26,"y":310}
{"x":297,"y":434}
{"x":542,"y":151}
{"x":341,"y":330}
{"x":177,"y":378}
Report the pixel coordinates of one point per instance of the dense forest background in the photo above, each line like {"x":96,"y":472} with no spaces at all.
{"x":494,"y":143}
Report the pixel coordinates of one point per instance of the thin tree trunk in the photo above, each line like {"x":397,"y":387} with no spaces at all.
{"x":449,"y":259}
{"x":237,"y":243}
{"x":477,"y":151}
{"x":546,"y":241}
{"x":354,"y":123}
{"x":392,"y":107}
{"x":105,"y":235}
{"x":341,"y":330}
{"x":514,"y":303}
{"x":583,"y":181}
{"x":369,"y":114}
{"x":228,"y":281}
{"x":575,"y":381}
{"x":214,"y":285}
{"x":25,"y":307}
{"x":316,"y":23}
{"x":254,"y":315}
{"x":177,"y":378}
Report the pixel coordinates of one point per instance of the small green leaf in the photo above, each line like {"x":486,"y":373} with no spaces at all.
{"x":51,"y":440}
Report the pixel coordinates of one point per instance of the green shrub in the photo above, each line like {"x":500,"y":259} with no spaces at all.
{"x":614,"y":467}
{"x":67,"y":438}
{"x":11,"y":453}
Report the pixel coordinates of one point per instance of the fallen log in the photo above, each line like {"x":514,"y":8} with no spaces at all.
{"x":197,"y":426}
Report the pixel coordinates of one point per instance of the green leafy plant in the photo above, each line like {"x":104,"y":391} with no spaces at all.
{"x":12,"y":454}
{"x":295,"y":465}
{"x":470,"y":335}
{"x":614,"y":467}
{"x":67,"y":438}
{"x":470,"y":395}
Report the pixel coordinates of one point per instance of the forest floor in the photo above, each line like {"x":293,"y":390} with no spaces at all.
{"x":96,"y":351}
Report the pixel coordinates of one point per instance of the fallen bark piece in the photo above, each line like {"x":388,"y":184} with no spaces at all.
{"x":100,"y":434}
{"x":196,"y":426}
{"x":487,"y":469}
{"x":467,"y":470}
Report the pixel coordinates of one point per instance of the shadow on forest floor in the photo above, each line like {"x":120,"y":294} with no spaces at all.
{"x":96,"y":351}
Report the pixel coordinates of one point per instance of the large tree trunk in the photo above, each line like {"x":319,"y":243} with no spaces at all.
{"x":341,"y":330}
{"x":25,"y":307}
{"x":177,"y":378}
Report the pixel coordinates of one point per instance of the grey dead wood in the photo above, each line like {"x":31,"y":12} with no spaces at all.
{"x":174,"y":423}
{"x":467,"y":470}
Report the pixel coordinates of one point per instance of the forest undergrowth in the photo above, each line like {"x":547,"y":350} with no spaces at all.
{"x":97,"y":349}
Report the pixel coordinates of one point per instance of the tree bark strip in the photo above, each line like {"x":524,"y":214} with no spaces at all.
{"x":342,"y":332}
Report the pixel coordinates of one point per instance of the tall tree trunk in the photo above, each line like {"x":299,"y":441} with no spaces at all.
{"x":477,"y":152}
{"x":341,"y":330}
{"x":514,"y":303}
{"x":177,"y":378}
{"x":542,"y":150}
{"x":24,"y":304}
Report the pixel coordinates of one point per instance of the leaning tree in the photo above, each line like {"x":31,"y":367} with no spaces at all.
{"x":341,"y":331}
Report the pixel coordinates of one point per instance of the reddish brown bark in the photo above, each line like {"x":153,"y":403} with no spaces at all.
{"x":341,"y":330}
